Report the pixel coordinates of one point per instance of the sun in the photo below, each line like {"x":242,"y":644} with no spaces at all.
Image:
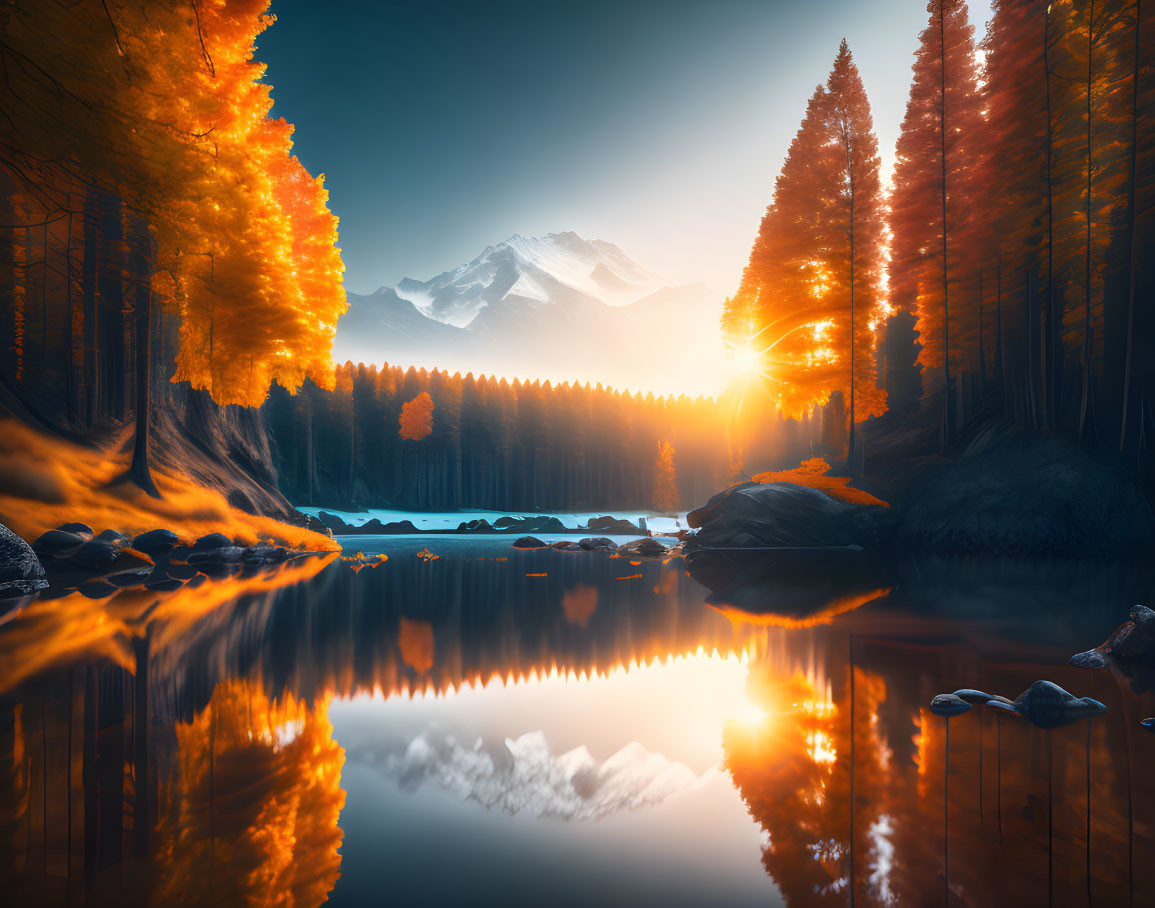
{"x":746,"y":363}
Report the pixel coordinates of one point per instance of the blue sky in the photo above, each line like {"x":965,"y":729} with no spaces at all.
{"x":660,"y":126}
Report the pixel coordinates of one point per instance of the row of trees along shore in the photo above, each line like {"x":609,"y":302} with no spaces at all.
{"x":428,"y":439}
{"x":1017,"y":235}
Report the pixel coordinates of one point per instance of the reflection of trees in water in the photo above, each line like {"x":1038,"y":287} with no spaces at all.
{"x":1016,"y":824}
{"x":251,"y":814}
{"x":791,"y":770}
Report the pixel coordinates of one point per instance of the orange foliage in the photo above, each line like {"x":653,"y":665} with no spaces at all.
{"x":415,"y":640}
{"x":264,"y":778}
{"x":46,"y":482}
{"x":579,"y":604}
{"x":417,"y":418}
{"x":54,"y":632}
{"x":167,"y":112}
{"x":666,"y":496}
{"x":812,"y":473}
{"x":809,"y":299}
{"x":933,"y":179}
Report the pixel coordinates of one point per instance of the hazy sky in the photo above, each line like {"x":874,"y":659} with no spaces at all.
{"x":659,"y":125}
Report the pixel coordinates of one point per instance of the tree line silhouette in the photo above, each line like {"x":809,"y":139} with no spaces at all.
{"x":421,"y":438}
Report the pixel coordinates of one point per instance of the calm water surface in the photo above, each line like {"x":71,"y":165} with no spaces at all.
{"x":494,"y":726}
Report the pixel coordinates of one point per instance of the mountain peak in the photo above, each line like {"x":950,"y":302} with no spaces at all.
{"x":558,"y":268}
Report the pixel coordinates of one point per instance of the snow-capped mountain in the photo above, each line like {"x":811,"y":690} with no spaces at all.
{"x":557,"y":307}
{"x":556,"y":268}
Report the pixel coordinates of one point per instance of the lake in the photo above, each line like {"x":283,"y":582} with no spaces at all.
{"x":465,"y":723}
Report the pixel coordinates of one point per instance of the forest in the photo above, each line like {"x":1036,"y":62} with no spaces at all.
{"x":160,"y":258}
{"x":428,"y":440}
{"x":1016,"y":237}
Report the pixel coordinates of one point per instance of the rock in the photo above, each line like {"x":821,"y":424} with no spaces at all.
{"x":598,"y":544}
{"x":95,"y":556}
{"x":480,"y":525}
{"x":128,"y":560}
{"x":57,"y":543}
{"x":155,"y":542}
{"x":643,"y":548}
{"x":1148,"y":724}
{"x":783,"y":514}
{"x":80,"y":529}
{"x":264,"y":553}
{"x":1046,"y":705}
{"x":529,"y":542}
{"x":97,"y":589}
{"x":120,"y":540}
{"x":125,"y":579}
{"x":607,"y":524}
{"x":949,"y":705}
{"x":567,"y":546}
{"x":1131,"y":641}
{"x":503,"y":523}
{"x":211,"y":541}
{"x":21,"y":572}
{"x":227,"y":554}
{"x":180,"y":571}
{"x":165,"y":585}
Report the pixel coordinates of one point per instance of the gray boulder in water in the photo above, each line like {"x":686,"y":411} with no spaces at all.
{"x":949,"y":705}
{"x":1131,"y":641}
{"x":21,"y":572}
{"x":1046,"y":705}
{"x":783,"y":514}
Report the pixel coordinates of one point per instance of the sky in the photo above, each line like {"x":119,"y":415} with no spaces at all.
{"x":659,"y":125}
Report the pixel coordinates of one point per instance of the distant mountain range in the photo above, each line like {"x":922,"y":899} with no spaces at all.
{"x":557,"y":307}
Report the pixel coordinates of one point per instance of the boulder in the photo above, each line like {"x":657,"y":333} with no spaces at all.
{"x":567,"y":546}
{"x":504,"y":523}
{"x":155,"y":542}
{"x":80,"y":529}
{"x":21,"y":572}
{"x":97,"y":589}
{"x":529,"y":542}
{"x":211,"y":541}
{"x":120,"y":540}
{"x":95,"y":556}
{"x":480,"y":525}
{"x":784,"y":515}
{"x":607,"y":524}
{"x":598,"y":544}
{"x":643,"y":548}
{"x":226,"y":554}
{"x":57,"y":543}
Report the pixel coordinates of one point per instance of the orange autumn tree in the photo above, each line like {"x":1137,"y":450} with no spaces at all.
{"x":253,"y":816}
{"x":809,"y":298}
{"x":153,"y":119}
{"x":666,"y":496}
{"x":417,"y":418}
{"x":932,"y":190}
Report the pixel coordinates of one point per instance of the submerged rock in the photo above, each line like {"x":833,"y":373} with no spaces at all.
{"x":1046,"y":705}
{"x":21,"y":572}
{"x":949,"y":705}
{"x":1131,"y":641}
{"x":529,"y":542}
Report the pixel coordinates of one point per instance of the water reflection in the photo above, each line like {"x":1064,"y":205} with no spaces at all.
{"x":182,"y":746}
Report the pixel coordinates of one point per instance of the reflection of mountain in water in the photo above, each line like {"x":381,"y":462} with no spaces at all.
{"x":190,"y":714}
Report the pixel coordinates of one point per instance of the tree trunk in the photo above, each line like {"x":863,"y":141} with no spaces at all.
{"x":141,"y":262}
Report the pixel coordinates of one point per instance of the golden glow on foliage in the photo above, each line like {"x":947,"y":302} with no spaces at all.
{"x":254,"y":815}
{"x":47,"y":481}
{"x":666,"y":495}
{"x":54,"y":632}
{"x":813,"y":473}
